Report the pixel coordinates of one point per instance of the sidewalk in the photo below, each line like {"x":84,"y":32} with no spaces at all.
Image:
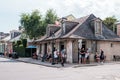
{"x":74,"y":65}
{"x":38,"y":62}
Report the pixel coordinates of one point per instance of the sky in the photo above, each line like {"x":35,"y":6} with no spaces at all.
{"x":10,"y":10}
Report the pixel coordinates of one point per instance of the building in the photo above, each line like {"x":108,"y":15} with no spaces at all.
{"x":14,"y":33}
{"x":118,"y":29}
{"x":5,"y":44}
{"x":85,"y":32}
{"x":2,"y":42}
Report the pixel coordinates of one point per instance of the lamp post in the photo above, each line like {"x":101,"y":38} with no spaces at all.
{"x":53,"y":49}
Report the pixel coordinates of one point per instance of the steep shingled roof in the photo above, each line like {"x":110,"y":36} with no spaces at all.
{"x":86,"y":31}
{"x":83,"y":29}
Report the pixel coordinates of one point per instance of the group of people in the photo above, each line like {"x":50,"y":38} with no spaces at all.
{"x":83,"y":56}
{"x":100,"y":57}
{"x":56,"y":57}
{"x":60,"y":56}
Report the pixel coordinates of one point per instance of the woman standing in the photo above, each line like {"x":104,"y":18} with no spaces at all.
{"x":83,"y":56}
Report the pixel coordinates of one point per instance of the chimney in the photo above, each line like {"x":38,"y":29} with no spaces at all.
{"x":63,"y":25}
{"x":118,"y":29}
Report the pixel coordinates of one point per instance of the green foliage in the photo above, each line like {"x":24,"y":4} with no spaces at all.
{"x":23,"y":36}
{"x":20,"y":50}
{"x":19,"y":42}
{"x":50,"y":18}
{"x":24,"y":42}
{"x":31,"y":22}
{"x":13,"y":45}
{"x":35,"y":25}
{"x":110,"y":22}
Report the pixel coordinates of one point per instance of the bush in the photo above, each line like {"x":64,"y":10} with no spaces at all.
{"x":20,"y":50}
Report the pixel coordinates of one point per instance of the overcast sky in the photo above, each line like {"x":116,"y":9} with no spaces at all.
{"x":10,"y":10}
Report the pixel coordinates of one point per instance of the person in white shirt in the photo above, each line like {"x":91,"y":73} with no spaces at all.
{"x":56,"y":56}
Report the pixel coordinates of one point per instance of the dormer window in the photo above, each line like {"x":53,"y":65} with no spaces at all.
{"x":98,"y":27}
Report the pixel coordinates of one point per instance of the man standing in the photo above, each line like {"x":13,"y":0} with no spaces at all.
{"x":63,"y":57}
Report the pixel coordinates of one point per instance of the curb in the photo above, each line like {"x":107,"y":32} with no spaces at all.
{"x":40,"y":64}
{"x":73,"y":66}
{"x":59,"y":66}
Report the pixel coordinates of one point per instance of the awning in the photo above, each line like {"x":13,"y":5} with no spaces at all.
{"x":31,"y":46}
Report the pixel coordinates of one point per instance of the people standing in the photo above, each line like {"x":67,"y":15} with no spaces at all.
{"x":83,"y":56}
{"x":87,"y":56}
{"x":102,"y":56}
{"x":56,"y":56}
{"x":63,"y":57}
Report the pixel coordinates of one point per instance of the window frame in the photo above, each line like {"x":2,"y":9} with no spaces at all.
{"x":98,"y":27}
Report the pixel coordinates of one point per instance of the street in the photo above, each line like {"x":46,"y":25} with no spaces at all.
{"x":13,"y":70}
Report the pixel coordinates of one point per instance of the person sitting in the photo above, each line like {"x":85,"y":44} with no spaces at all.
{"x":50,"y":58}
{"x":97,"y":57}
{"x":102,"y":56}
{"x":34,"y":55}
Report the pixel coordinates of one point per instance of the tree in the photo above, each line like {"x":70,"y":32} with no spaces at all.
{"x":24,"y":42}
{"x":110,"y":22}
{"x":18,"y":43}
{"x":35,"y":25}
{"x":50,"y":18}
{"x":31,"y":23}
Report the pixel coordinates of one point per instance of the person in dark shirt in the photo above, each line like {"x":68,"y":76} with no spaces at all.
{"x":83,"y":55}
{"x":102,"y":56}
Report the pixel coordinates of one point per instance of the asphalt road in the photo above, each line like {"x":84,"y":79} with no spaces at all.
{"x":13,"y":70}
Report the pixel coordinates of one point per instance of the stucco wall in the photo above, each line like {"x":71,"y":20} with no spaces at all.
{"x":49,"y":48}
{"x":69,"y":51}
{"x":110,"y":49}
{"x":75,"y":51}
{"x":42,"y":50}
{"x":89,"y":44}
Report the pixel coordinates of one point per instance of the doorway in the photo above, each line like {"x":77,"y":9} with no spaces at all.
{"x":84,"y":44}
{"x":45,"y":49}
{"x":62,"y":46}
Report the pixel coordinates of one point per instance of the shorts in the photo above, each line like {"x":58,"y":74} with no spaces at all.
{"x":83,"y":55}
